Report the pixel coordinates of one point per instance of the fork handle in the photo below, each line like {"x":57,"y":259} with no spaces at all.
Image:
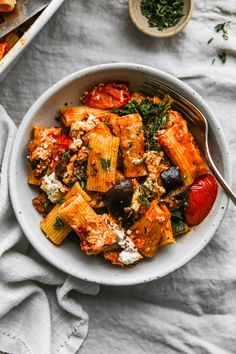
{"x":220,"y":179}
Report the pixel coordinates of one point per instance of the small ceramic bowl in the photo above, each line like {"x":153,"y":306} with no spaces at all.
{"x":141,"y":22}
{"x":68,"y":257}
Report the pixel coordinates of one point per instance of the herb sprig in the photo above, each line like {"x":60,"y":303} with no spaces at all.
{"x":222,"y":27}
{"x":106,"y":163}
{"x":162,"y":13}
{"x":59,"y":224}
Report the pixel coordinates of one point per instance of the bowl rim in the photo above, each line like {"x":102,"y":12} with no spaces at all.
{"x":26,"y":121}
{"x":161,"y":34}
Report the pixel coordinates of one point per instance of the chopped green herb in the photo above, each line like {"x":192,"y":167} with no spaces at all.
{"x":221,"y":27}
{"x":210,"y":40}
{"x":222,"y":56}
{"x":144,"y":193}
{"x":130,"y":143}
{"x":66,"y":131}
{"x":213,"y":61}
{"x":155,"y":117}
{"x":61,"y":201}
{"x":78,"y":177}
{"x":106,"y":163}
{"x":129,"y":108}
{"x":162,"y":13}
{"x":59,"y":224}
{"x":143,"y":198}
{"x":66,"y":155}
{"x":46,"y":205}
{"x":82,"y":184}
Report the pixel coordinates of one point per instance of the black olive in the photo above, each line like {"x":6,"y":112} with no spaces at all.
{"x":60,"y":169}
{"x":171,"y":178}
{"x":119,"y":197}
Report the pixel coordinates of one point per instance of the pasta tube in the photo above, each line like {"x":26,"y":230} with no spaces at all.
{"x":51,"y":225}
{"x":148,"y":231}
{"x":102,"y":161}
{"x":7,"y":5}
{"x":179,"y":145}
{"x":93,"y":229}
{"x":70,"y":115}
{"x":130,"y":131}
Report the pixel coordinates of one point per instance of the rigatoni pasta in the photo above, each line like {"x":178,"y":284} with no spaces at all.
{"x":7,"y":5}
{"x":130,"y":131}
{"x":122,"y":172}
{"x":102,"y":162}
{"x":55,"y":228}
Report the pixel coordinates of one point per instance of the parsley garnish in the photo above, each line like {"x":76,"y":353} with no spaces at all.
{"x":143,"y":196}
{"x":106,"y":163}
{"x":162,"y":13}
{"x":222,"y":56}
{"x":61,"y":201}
{"x":154,"y":116}
{"x":210,"y":40}
{"x":82,"y":184}
{"x":78,"y":177}
{"x":130,"y":143}
{"x":66,"y":155}
{"x":221,"y":27}
{"x":213,"y":61}
{"x":59,"y":224}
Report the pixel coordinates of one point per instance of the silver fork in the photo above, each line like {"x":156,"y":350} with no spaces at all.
{"x":197,"y":123}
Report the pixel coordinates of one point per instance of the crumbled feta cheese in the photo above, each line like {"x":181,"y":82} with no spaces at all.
{"x":84,"y":126}
{"x":76,"y":144}
{"x":127,"y":257}
{"x":137,"y":161}
{"x":120,"y":233}
{"x":53,"y":187}
{"x":130,"y":254}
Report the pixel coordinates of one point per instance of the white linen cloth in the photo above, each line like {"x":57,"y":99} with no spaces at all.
{"x":39,"y":305}
{"x":190,"y":311}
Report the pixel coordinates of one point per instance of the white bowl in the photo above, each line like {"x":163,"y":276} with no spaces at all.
{"x":15,"y":53}
{"x":68,"y":256}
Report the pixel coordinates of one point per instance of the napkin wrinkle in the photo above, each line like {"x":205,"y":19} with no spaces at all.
{"x":40,"y":311}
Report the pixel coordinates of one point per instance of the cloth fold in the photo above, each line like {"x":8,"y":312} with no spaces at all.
{"x":38,"y":314}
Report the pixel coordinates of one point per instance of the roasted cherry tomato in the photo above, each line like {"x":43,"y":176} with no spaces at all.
{"x":64,"y":141}
{"x":107,"y":96}
{"x":3,"y":49}
{"x":202,"y":195}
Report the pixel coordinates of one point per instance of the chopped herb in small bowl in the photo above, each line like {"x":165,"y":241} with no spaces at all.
{"x":160,"y":18}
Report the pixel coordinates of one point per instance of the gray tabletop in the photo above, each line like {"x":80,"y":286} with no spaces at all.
{"x":193,"y":309}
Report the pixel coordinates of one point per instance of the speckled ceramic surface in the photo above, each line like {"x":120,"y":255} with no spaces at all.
{"x":141,"y":21}
{"x":68,"y":256}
